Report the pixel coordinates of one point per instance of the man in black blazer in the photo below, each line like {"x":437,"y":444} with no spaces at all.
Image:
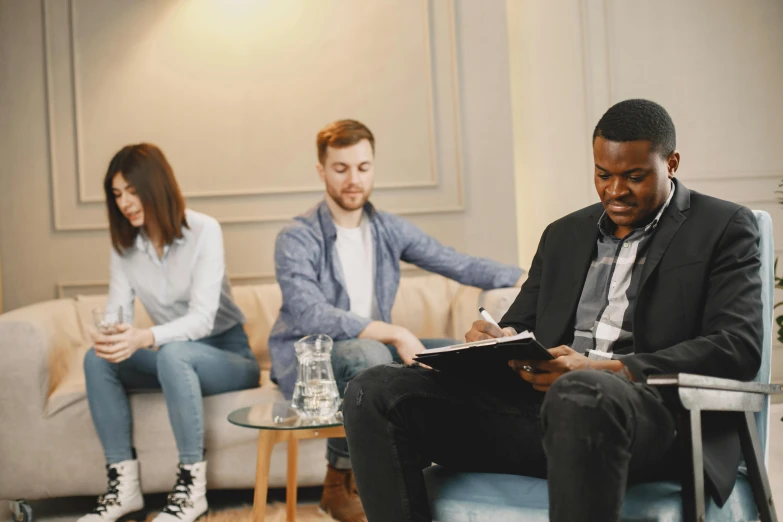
{"x":654,"y":279}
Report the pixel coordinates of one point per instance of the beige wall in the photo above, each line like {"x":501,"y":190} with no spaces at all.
{"x":234,"y":93}
{"x":716,"y":65}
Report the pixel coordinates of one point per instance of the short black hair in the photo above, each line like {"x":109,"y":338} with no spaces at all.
{"x":637,"y":119}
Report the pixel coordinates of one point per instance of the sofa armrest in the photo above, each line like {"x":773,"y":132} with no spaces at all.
{"x":497,"y":301}
{"x":24,"y":357}
{"x":465,"y":304}
{"x":39,"y":346}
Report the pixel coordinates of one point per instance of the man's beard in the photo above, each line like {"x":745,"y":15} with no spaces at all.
{"x":344,"y":204}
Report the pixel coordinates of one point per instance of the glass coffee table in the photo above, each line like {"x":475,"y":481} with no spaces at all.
{"x":278,"y":422}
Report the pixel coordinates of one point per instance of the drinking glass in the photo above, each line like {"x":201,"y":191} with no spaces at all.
{"x":107,"y":319}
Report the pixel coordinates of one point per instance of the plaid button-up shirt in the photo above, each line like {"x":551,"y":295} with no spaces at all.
{"x":604,"y":317}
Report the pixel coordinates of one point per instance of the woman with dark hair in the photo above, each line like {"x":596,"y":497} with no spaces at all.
{"x":172,"y":259}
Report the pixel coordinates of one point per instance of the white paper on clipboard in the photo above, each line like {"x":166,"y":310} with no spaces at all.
{"x":485,"y":342}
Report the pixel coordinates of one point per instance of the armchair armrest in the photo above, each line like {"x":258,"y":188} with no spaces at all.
{"x":697,"y":393}
{"x":700,"y":392}
{"x":690,"y":380}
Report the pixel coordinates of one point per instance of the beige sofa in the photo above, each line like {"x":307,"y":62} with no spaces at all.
{"x":48,"y":445}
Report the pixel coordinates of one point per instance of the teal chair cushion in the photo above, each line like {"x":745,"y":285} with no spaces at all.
{"x":489,"y":497}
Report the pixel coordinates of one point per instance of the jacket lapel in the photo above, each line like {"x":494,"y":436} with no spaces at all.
{"x":583,"y":245}
{"x":671,"y":220}
{"x":579,"y":252}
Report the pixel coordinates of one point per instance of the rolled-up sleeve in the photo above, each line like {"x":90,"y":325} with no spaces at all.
{"x":120,"y":290}
{"x":426,"y":252}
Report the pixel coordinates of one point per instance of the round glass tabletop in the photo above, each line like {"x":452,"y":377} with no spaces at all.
{"x":279,"y":415}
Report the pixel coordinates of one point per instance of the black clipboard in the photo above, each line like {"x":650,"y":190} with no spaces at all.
{"x":483,"y":354}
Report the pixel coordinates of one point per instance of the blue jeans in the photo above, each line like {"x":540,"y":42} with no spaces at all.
{"x":185,"y":371}
{"x":349,"y":359}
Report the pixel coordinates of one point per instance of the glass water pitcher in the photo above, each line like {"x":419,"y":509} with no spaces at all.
{"x":315,"y":392}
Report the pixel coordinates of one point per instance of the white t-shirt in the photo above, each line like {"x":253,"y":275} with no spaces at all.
{"x":357,"y":258}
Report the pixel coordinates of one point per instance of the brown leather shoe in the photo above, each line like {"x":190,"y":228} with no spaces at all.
{"x":352,"y":488}
{"x":340,"y":498}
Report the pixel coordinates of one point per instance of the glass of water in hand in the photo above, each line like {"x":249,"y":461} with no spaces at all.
{"x":107,"y":319}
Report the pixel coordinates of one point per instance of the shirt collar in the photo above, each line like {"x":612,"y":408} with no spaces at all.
{"x":606,"y":226}
{"x":327,"y":223}
{"x":142,"y":241}
{"x":144,"y":244}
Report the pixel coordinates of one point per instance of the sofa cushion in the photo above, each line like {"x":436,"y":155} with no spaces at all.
{"x":67,"y":371}
{"x":60,"y":322}
{"x":261,"y":305}
{"x":85,"y":304}
{"x":424,"y":304}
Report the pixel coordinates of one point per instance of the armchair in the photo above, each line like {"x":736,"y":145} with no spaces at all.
{"x":479,"y":497}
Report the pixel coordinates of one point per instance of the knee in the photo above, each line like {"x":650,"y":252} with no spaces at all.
{"x":584,"y":400}
{"x":93,"y":363}
{"x":368,"y":392}
{"x":172,"y":354}
{"x":351,"y":357}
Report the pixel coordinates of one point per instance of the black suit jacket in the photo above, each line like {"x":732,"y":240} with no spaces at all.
{"x":698,"y":309}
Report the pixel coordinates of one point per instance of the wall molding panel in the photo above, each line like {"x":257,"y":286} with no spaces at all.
{"x":68,"y":289}
{"x":234,"y":93}
{"x":597,"y":71}
{"x":76,"y":99}
{"x":613,"y":69}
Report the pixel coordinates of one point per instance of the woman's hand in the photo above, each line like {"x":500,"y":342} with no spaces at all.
{"x":118,"y":347}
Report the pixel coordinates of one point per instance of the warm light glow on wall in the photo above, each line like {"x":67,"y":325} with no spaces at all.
{"x":233,"y":27}
{"x":239,"y":88}
{"x":239,"y":7}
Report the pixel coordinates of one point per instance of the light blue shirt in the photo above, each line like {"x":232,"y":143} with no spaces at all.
{"x":315,"y":299}
{"x":185,"y":292}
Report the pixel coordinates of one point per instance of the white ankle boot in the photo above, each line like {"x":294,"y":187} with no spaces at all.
{"x":123,"y":495}
{"x":188,"y":501}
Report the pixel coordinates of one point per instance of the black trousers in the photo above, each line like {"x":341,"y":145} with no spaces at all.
{"x":592,"y":434}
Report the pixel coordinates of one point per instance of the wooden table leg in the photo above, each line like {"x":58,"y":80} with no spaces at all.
{"x":266,"y":442}
{"x":291,"y":482}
